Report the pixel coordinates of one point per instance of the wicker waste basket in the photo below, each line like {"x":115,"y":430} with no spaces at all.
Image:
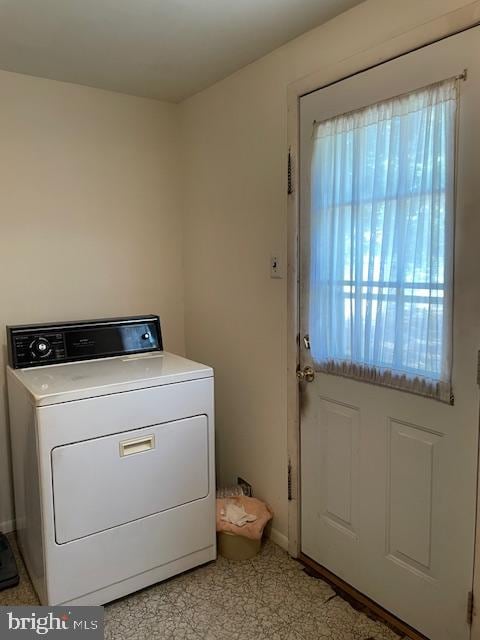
{"x":241,"y":542}
{"x":235,"y":547}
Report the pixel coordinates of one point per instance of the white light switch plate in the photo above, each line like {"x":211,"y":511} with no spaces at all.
{"x":276,"y":270}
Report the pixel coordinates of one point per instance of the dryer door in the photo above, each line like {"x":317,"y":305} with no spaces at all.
{"x":106,"y":482}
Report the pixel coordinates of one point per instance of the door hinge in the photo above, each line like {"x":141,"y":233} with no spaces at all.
{"x":289,"y":174}
{"x":478,"y":368}
{"x":470,"y":608}
{"x":290,"y":497}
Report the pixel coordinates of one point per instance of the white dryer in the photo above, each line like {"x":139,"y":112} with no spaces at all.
{"x":113,"y":458}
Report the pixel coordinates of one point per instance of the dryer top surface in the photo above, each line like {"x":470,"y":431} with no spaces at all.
{"x":80,"y":380}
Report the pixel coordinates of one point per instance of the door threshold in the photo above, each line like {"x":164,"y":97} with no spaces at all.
{"x":359,"y":600}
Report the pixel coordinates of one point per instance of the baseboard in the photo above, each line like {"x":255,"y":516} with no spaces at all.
{"x":279,"y":538}
{"x":7,"y":526}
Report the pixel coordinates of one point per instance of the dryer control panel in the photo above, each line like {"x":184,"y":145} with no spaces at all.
{"x":55,"y":343}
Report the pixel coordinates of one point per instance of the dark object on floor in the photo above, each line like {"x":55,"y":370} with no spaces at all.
{"x":8,"y":566}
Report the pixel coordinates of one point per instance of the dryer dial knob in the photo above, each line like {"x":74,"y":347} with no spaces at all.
{"x":41,"y":348}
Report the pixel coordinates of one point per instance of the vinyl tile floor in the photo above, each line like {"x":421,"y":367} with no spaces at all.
{"x":269,"y":597}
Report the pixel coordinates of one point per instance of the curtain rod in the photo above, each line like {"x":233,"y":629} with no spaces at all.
{"x":461,"y":76}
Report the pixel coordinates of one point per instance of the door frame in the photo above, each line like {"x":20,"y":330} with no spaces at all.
{"x":415,"y":38}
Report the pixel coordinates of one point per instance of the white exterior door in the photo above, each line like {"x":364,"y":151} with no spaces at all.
{"x":388,"y":478}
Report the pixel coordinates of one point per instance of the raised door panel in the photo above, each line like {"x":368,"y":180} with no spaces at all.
{"x":412,"y":452}
{"x":339,"y":440}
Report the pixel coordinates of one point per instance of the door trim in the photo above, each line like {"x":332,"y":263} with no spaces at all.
{"x":418,"y":37}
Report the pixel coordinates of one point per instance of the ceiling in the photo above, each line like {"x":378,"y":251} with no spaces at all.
{"x":165,"y":49}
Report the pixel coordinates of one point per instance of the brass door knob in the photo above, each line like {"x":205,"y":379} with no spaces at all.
{"x":307,"y":374}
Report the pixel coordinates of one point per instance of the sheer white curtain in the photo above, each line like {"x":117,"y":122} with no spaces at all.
{"x":381,"y":255}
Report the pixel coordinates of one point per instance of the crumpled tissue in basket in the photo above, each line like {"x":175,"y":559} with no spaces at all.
{"x":251,"y":506}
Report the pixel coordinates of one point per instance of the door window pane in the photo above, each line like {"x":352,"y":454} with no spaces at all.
{"x":382,"y":215}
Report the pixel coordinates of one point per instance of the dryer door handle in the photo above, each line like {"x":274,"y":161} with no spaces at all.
{"x":137,"y":445}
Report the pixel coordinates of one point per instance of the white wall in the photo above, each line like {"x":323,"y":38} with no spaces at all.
{"x":234,"y":146}
{"x":89,"y":219}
